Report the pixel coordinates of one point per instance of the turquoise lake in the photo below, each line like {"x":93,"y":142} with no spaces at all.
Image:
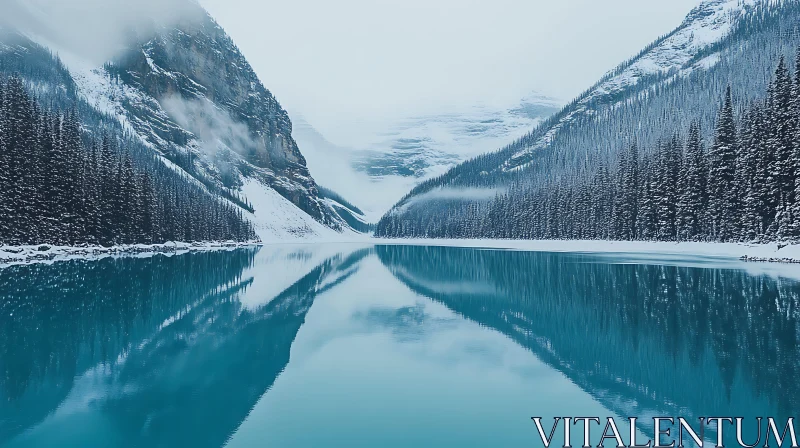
{"x":384,"y":346}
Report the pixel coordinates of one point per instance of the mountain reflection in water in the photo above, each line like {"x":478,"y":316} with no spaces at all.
{"x":180,"y":350}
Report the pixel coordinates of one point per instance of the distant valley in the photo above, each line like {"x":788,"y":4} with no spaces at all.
{"x":376,"y":175}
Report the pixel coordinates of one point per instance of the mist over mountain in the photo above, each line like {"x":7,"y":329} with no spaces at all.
{"x":97,"y":30}
{"x":167,"y":77}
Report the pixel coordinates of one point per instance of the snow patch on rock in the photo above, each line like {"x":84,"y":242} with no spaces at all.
{"x":276,"y":219}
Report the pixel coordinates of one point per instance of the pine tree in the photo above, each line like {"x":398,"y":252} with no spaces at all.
{"x":108,"y":192}
{"x":722,"y":174}
{"x":669,"y":167}
{"x":631,"y":189}
{"x":794,"y":225}
{"x":692,"y":202}
{"x":90,"y":196}
{"x":74,"y":159}
{"x":627,"y":190}
{"x":648,"y":209}
{"x":752,"y":178}
{"x":130,"y":210}
{"x":44,"y":168}
{"x":782,"y":145}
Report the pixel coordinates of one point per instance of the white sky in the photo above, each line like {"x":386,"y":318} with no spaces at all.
{"x":346,"y":64}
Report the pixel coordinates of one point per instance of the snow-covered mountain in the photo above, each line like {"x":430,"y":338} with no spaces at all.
{"x":678,"y":79}
{"x":415,"y":149}
{"x":184,"y":90}
{"x":428,"y":144}
{"x":686,"y":49}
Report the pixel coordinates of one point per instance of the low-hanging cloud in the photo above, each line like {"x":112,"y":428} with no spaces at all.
{"x":95,"y":29}
{"x":454,"y":194}
{"x":210,"y":124}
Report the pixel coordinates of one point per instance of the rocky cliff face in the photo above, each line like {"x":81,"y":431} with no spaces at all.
{"x":194,"y":96}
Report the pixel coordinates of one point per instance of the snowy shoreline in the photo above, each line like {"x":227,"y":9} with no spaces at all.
{"x":773,"y":252}
{"x":751,"y":252}
{"x":759,"y":253}
{"x":743,"y":251}
{"x":774,"y":260}
{"x":46,"y":253}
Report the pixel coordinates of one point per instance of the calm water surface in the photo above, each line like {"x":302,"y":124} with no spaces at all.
{"x":386,"y":346}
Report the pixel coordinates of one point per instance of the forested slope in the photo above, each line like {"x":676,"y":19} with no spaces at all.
{"x":59,"y":187}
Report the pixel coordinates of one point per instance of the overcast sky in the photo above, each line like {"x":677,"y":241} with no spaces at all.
{"x":345,"y":62}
